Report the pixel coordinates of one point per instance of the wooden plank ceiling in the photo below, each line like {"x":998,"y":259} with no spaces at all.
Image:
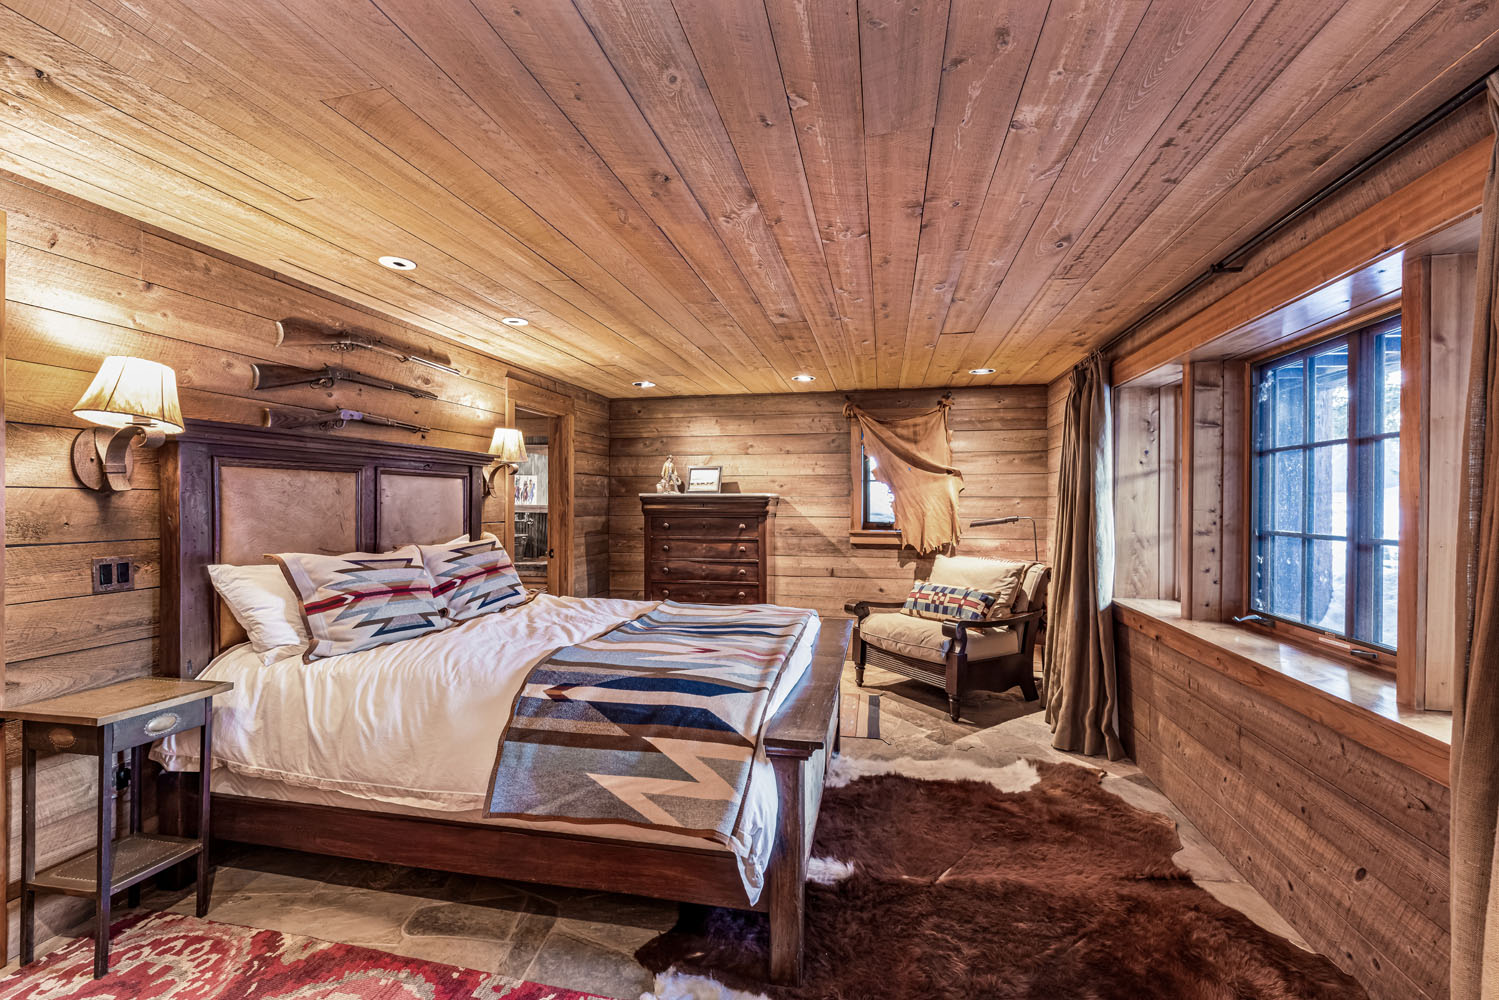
{"x":718,"y":194}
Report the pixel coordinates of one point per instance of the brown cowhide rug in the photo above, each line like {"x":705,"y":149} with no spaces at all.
{"x":960,"y":890}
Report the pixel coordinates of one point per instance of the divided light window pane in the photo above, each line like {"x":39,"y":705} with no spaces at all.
{"x":1326,"y":467}
{"x":879,"y":502}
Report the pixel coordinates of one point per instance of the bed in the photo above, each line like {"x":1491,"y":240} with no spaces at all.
{"x":231,"y":493}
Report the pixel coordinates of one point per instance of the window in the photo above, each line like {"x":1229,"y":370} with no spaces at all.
{"x":1326,"y":486}
{"x":871,"y":519}
{"x":879,"y":502}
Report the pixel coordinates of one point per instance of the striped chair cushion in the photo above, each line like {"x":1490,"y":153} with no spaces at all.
{"x":934,"y":600}
{"x":473,"y":578}
{"x":363,"y":599}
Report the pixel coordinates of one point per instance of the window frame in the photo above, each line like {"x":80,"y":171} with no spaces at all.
{"x":859,"y":532}
{"x":1360,"y":338}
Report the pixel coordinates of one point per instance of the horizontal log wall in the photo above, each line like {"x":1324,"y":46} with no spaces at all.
{"x":82,"y":283}
{"x":1348,"y":845}
{"x":798,"y":446}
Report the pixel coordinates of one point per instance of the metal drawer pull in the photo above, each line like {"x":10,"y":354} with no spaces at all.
{"x":741,"y":572}
{"x":666,"y":547}
{"x":740,"y":594}
{"x":666,"y":569}
{"x":742,"y":549}
{"x":742,"y":526}
{"x":162,"y":723}
{"x":665,"y":524}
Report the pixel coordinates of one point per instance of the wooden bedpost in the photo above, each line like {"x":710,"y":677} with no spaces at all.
{"x":786,"y":881}
{"x":799,"y":742}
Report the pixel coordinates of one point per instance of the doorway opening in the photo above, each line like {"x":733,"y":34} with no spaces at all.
{"x":533,"y":550}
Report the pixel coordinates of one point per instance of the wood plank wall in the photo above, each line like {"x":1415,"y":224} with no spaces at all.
{"x":1447,"y":327}
{"x":1347,"y":845}
{"x":1056,"y":412}
{"x":83,"y":282}
{"x":797,"y":445}
{"x":1146,"y":424}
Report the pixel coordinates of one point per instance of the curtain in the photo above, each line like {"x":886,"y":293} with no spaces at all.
{"x":1475,"y":715}
{"x":913,"y":456}
{"x":1080,"y":685}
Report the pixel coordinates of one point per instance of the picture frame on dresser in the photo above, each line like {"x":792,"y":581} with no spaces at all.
{"x":705,"y":479}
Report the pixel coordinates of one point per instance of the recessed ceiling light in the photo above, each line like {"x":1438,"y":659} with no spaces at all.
{"x":643,"y":384}
{"x":981,"y":371}
{"x":398,"y":263}
{"x":804,"y":378}
{"x":514,"y":321}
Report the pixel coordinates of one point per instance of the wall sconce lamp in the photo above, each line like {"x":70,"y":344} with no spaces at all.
{"x":1012,"y":519}
{"x":508,"y":446}
{"x":132,"y":400}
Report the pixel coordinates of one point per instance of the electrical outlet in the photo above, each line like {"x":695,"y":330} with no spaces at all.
{"x":113,"y":574}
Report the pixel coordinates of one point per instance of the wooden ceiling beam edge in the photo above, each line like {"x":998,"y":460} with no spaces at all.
{"x":1195,"y":219}
{"x":1448,"y":194}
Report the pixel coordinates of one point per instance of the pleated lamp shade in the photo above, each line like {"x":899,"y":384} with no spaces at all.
{"x":132,"y":391}
{"x":508,"y":445}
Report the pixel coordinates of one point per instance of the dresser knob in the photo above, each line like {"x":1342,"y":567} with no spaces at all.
{"x":742,"y":526}
{"x":666,"y":525}
{"x":741,"y":572}
{"x":666,"y":547}
{"x":666,"y":569}
{"x":740,"y":594}
{"x":742,"y":549}
{"x":665,"y":592}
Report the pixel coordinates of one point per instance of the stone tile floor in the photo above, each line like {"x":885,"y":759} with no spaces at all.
{"x":584,"y":940}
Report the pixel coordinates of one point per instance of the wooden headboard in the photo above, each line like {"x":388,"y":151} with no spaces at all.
{"x":232,"y":493}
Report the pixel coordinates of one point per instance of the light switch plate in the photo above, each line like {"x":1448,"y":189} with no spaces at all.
{"x":113,"y":574}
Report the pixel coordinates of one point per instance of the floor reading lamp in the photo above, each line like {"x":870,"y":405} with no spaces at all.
{"x":1012,"y":519}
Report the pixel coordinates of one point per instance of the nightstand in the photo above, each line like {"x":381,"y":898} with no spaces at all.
{"x":100,"y":723}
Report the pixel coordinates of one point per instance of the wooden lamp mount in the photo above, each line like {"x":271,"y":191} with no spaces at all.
{"x":103,"y":458}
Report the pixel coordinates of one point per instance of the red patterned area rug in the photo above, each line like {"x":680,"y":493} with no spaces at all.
{"x":167,"y":956}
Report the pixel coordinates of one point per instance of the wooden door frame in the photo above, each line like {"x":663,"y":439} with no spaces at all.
{"x":560,"y":485}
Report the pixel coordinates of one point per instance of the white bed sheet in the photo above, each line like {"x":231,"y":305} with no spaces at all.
{"x":413,"y":727}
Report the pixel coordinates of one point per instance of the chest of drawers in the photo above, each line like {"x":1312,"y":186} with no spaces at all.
{"x":709,"y":548}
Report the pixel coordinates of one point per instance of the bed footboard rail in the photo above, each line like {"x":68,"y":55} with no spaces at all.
{"x":800,"y":742}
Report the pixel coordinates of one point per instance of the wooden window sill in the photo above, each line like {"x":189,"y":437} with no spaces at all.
{"x":869,"y":537}
{"x":1353,"y":701}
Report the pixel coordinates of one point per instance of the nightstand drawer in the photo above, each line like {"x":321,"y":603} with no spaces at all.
{"x":698,"y":571}
{"x":149,"y":728}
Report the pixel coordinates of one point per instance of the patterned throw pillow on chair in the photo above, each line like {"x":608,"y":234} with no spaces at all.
{"x":473,"y":578}
{"x":933,"y":600}
{"x":363,"y":599}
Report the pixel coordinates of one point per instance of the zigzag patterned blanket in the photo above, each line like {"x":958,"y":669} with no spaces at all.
{"x":654,"y":724}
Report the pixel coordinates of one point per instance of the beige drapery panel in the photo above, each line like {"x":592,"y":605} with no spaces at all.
{"x":913,"y":456}
{"x":1475,"y":716}
{"x":1080,"y":684}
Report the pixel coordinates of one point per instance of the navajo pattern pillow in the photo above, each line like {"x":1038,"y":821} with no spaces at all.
{"x":360,"y":600}
{"x":933,"y":600}
{"x":473,"y":578}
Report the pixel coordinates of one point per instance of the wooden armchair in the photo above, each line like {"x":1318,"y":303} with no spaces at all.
{"x":955,"y":655}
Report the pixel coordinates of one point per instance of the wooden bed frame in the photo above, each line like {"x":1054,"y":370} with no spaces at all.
{"x":221,"y":486}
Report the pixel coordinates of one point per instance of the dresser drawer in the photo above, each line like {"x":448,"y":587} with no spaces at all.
{"x":673,"y":548}
{"x":715,"y":528}
{"x":697,"y":571}
{"x":704,"y":593}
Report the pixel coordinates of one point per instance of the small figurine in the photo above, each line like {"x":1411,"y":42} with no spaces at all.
{"x":670,"y":481}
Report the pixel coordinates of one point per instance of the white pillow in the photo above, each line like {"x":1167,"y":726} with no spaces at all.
{"x":263,"y":603}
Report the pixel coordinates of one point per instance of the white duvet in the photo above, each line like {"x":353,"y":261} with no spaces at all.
{"x":414,"y":726}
